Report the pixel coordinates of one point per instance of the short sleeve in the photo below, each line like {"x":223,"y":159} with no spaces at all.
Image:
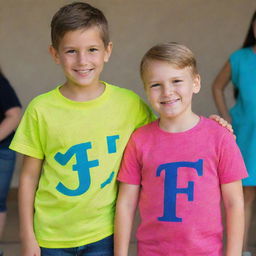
{"x":144,"y":115}
{"x":27,"y":136}
{"x":231,"y":164}
{"x":130,"y":170}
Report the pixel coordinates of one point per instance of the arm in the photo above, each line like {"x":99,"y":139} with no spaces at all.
{"x":29,"y":178}
{"x":232,"y":194}
{"x":125,"y":211}
{"x":218,"y":87}
{"x":10,"y":122}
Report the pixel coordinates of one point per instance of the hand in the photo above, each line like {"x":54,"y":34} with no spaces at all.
{"x":222,"y":122}
{"x":30,"y":248}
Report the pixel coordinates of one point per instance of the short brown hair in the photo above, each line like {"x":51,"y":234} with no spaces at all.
{"x":173,"y":53}
{"x":77,"y":15}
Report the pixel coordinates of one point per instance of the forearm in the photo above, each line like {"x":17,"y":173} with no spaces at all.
{"x":221,"y":105}
{"x":10,"y":122}
{"x":27,"y":188}
{"x":123,"y":228}
{"x":29,"y":244}
{"x":233,"y":200}
{"x":125,"y":212}
{"x":27,"y":191}
{"x":218,"y":87}
{"x":235,"y":230}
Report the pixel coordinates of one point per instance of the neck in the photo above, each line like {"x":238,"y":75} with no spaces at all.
{"x":179,"y":124}
{"x":82,"y":93}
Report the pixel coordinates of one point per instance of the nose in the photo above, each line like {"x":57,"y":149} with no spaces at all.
{"x":167,"y":90}
{"x":82,"y":58}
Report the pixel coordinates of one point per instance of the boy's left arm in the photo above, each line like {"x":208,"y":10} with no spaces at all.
{"x":232,"y":194}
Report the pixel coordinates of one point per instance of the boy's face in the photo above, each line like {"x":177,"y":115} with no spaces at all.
{"x":82,"y":55}
{"x":169,"y":89}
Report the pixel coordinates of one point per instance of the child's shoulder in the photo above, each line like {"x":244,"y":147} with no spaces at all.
{"x":240,"y":53}
{"x":213,"y":128}
{"x":122,"y":92}
{"x":145,"y":131}
{"x":43,"y":99}
{"x":142,"y":136}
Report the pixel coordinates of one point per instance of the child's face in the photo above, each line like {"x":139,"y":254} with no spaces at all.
{"x":82,"y":55}
{"x":169,"y":89}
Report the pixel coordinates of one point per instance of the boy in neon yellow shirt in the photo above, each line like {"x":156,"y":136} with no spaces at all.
{"x":73,"y":138}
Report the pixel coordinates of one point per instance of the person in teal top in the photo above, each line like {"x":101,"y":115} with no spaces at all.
{"x":241,"y":70}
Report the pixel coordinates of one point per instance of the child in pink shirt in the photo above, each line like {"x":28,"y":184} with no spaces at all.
{"x":179,"y":168}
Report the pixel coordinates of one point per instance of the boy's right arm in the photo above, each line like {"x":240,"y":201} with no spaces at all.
{"x":29,"y":178}
{"x":232,"y":194}
{"x":125,"y":210}
{"x":218,"y":87}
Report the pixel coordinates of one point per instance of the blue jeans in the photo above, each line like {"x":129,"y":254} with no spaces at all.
{"x":7,"y":163}
{"x":103,"y":247}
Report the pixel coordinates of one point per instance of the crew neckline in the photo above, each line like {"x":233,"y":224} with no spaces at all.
{"x":191,"y":130}
{"x":83,"y":103}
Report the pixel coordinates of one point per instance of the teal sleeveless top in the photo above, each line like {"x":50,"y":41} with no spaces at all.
{"x":243,"y":113}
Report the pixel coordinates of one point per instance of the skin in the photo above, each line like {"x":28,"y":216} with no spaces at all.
{"x":29,"y":178}
{"x":169,"y":91}
{"x":128,"y":196}
{"x":7,"y":126}
{"x":218,"y":89}
{"x":81,"y":54}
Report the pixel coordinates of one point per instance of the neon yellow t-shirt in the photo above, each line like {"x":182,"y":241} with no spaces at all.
{"x":81,"y":144}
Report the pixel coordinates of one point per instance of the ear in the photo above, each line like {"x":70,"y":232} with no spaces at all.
{"x":54,"y":53}
{"x":108,"y":51}
{"x":197,"y":84}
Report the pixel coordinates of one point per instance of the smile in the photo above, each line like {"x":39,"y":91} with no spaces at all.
{"x":84,"y":72}
{"x":169,"y":101}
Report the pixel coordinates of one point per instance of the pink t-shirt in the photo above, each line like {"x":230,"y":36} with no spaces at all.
{"x":180,"y":176}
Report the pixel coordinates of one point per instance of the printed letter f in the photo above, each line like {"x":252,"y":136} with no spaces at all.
{"x":171,"y":190}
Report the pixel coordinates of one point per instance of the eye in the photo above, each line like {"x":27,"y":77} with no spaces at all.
{"x":71,"y":51}
{"x":154,"y":85}
{"x":93,"y":49}
{"x":177,"y":81}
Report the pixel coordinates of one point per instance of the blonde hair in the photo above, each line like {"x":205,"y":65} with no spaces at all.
{"x":174,"y":53}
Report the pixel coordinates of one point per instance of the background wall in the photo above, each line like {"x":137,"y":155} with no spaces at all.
{"x":212,"y":29}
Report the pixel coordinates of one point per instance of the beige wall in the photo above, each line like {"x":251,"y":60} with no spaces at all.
{"x":211,"y":28}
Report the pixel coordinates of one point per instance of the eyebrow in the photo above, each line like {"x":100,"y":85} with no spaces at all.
{"x":90,"y":46}
{"x":158,"y":81}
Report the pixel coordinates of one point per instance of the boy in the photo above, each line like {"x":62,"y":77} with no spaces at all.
{"x":179,"y":168}
{"x":72,"y":139}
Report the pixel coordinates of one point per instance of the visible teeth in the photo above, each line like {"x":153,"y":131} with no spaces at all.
{"x":169,"y":102}
{"x":83,"y":71}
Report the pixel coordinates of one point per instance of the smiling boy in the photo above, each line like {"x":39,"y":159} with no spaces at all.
{"x":178,"y":169}
{"x":72,"y":139}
